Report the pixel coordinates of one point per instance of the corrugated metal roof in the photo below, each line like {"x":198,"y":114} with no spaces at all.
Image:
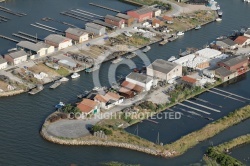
{"x":162,"y":66}
{"x":32,"y":46}
{"x":144,"y":10}
{"x":222,"y":71}
{"x":17,"y":54}
{"x":57,"y":38}
{"x":76,"y":31}
{"x":124,"y":16}
{"x":93,"y":25}
{"x":232,"y":61}
{"x":117,"y":19}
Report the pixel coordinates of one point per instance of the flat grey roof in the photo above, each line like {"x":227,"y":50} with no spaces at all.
{"x":17,"y":54}
{"x":32,"y":46}
{"x":162,"y":66}
{"x":117,"y":19}
{"x":139,"y":77}
{"x":93,"y":25}
{"x":248,"y":32}
{"x":56,"y":38}
{"x":102,"y":23}
{"x":124,"y":16}
{"x":222,"y":71}
{"x":232,"y":61}
{"x":76,"y":31}
{"x":229,"y":42}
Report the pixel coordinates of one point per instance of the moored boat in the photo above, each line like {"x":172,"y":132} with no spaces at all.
{"x":75,"y":75}
{"x":218,"y":19}
{"x":37,"y":89}
{"x":180,"y":33}
{"x":131,"y":55}
{"x":163,"y":42}
{"x":172,"y":58}
{"x":197,"y":27}
{"x":146,"y":49}
{"x":64,"y":79}
{"x":94,"y":68}
{"x":55,"y":85}
{"x":60,"y":105}
{"x":117,"y":60}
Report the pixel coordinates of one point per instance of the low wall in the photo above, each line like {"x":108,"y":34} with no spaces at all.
{"x":11,"y":93}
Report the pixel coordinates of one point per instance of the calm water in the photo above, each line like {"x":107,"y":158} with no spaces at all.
{"x":23,"y":115}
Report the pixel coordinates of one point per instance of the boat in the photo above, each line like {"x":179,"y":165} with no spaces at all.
{"x":172,"y":58}
{"x":180,"y":33}
{"x":12,"y":49}
{"x":146,"y":49}
{"x":55,"y":85}
{"x":163,"y":42}
{"x":218,"y":7}
{"x":208,"y":118}
{"x":64,"y":79}
{"x":117,"y":60}
{"x":96,"y":88}
{"x":197,"y":27}
{"x":94,"y":68}
{"x":80,"y":96}
{"x":218,"y":19}
{"x":127,"y":34}
{"x":172,"y":38}
{"x":220,"y":12}
{"x":131,"y":55}
{"x":221,"y":38}
{"x":60,"y":105}
{"x":75,"y":75}
{"x":37,"y":89}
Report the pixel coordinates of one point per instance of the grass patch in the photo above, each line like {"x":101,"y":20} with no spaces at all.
{"x":62,"y":71}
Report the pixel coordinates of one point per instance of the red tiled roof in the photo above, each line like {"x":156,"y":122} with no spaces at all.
{"x":241,"y":39}
{"x":132,"y":86}
{"x":84,"y":108}
{"x":100,"y":98}
{"x":126,"y":91}
{"x":87,"y":105}
{"x":188,"y":79}
{"x":167,"y":18}
{"x":113,"y":96}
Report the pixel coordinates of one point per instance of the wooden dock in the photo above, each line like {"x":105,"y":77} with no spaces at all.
{"x":73,"y":16}
{"x":8,"y":38}
{"x":226,"y":96}
{"x":104,"y":7}
{"x":196,"y":109}
{"x":232,"y":94}
{"x":150,"y":120}
{"x":49,"y":27}
{"x":82,"y":13}
{"x":42,"y":28}
{"x":28,"y":35}
{"x":78,"y":14}
{"x":212,"y":109}
{"x":89,"y":13}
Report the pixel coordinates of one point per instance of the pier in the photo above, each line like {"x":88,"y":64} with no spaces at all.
{"x":89,"y":13}
{"x":31,"y":36}
{"x":11,"y":12}
{"x":8,"y":38}
{"x":205,"y":101}
{"x":73,"y":16}
{"x":82,"y":13}
{"x":231,"y":94}
{"x":104,"y":24}
{"x":49,"y":27}
{"x":24,"y":37}
{"x":61,"y":22}
{"x":76,"y":13}
{"x":104,"y":7}
{"x":226,"y":96}
{"x":196,"y":109}
{"x":42,"y":28}
{"x":212,"y":109}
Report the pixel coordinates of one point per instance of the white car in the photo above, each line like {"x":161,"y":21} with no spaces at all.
{"x":127,"y":34}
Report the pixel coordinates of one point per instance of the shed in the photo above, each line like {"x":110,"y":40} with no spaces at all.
{"x":76,"y":34}
{"x":128,"y":19}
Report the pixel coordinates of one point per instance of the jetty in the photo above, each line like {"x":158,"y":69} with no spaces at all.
{"x":89,"y":13}
{"x":165,"y":41}
{"x":82,"y":13}
{"x":8,"y":38}
{"x":49,"y":27}
{"x":212,"y":109}
{"x":231,"y":94}
{"x":78,"y":14}
{"x":150,"y":120}
{"x":55,"y":85}
{"x":11,"y":12}
{"x":104,"y":24}
{"x":42,"y":28}
{"x":226,"y":96}
{"x":104,"y":7}
{"x":24,"y":37}
{"x":205,"y":101}
{"x":73,"y":16}
{"x":31,"y":36}
{"x":196,"y":109}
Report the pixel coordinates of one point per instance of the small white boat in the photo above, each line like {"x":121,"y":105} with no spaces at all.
{"x":218,"y":19}
{"x":12,"y":49}
{"x":218,"y":7}
{"x":117,"y":60}
{"x":180,"y":33}
{"x":197,"y":27}
{"x":146,"y":49}
{"x":96,"y":88}
{"x":64,"y":79}
{"x":92,"y":69}
{"x":60,"y":105}
{"x":75,"y":75}
{"x":172,"y":58}
{"x":220,"y":12}
{"x":127,"y":34}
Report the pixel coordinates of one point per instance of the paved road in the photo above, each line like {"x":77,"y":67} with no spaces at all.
{"x":176,"y":9}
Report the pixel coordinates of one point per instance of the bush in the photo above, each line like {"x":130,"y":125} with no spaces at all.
{"x":106,"y":131}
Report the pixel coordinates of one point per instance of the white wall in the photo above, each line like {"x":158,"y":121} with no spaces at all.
{"x":65,"y":44}
{"x":20,"y":60}
{"x":147,"y":86}
{"x":3,"y":65}
{"x":84,"y":38}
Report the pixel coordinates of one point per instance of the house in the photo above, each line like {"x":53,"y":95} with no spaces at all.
{"x":242,"y":41}
{"x":140,"y":79}
{"x":95,"y":28}
{"x":235,"y":63}
{"x":16,"y":57}
{"x":164,"y":70}
{"x":128,"y":19}
{"x":189,"y":81}
{"x":141,"y":14}
{"x":58,"y":41}
{"x":77,"y":35}
{"x":108,"y":100}
{"x":87,"y":106}
{"x":247,"y":33}
{"x":116,"y":21}
{"x":129,"y":89}
{"x":3,"y":63}
{"x":226,"y":44}
{"x":224,"y":74}
{"x":39,"y":49}
{"x":156,"y":11}
{"x":156,"y":22}
{"x":168,"y":19}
